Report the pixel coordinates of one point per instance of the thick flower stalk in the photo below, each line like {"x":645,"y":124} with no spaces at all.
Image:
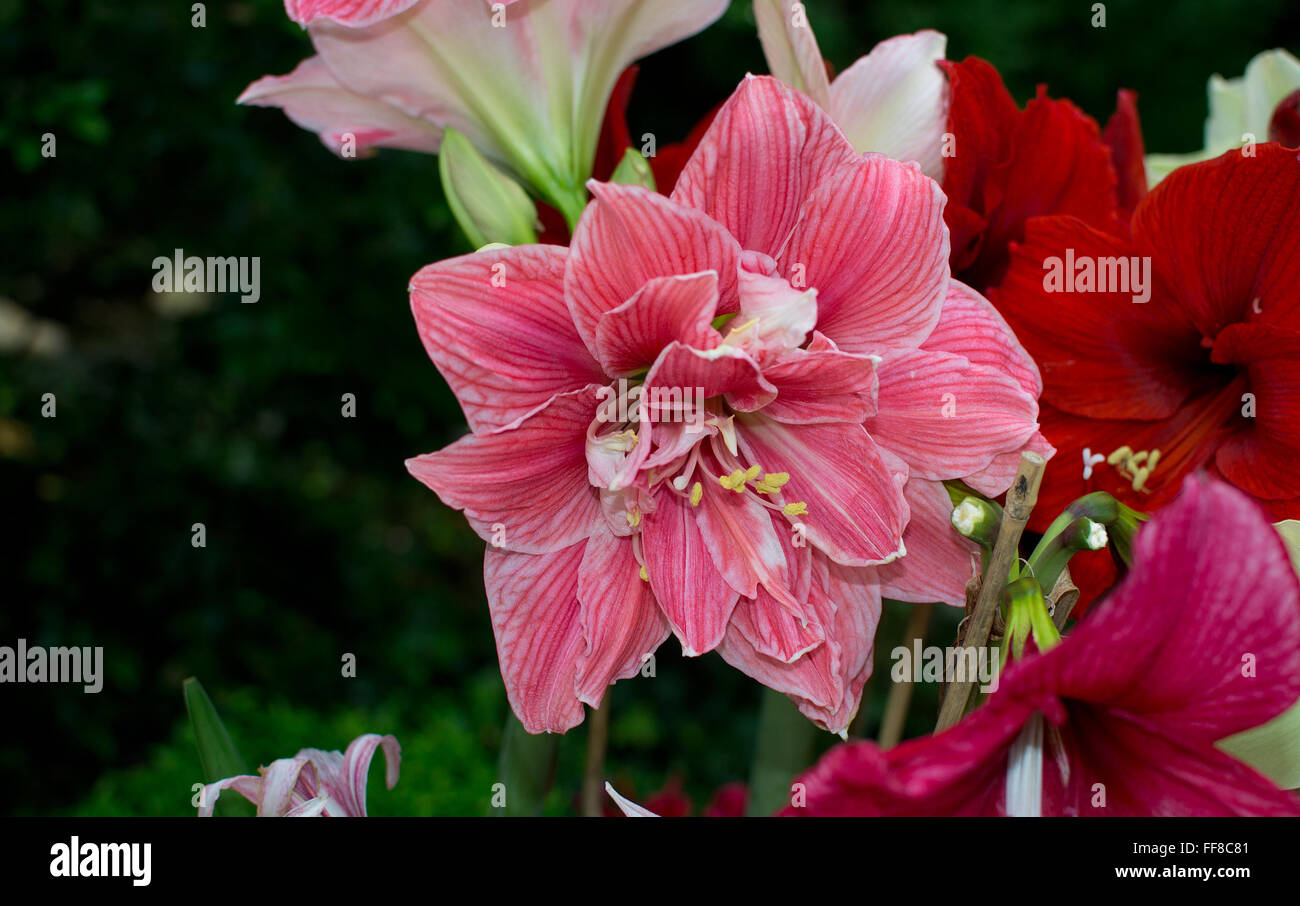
{"x":724,"y":415}
{"x":1200,"y":642}
{"x":313,"y":783}
{"x":526,"y":81}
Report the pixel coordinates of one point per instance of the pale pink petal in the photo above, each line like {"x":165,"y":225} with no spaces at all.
{"x":621,"y":621}
{"x":872,"y":241}
{"x":946,"y":417}
{"x":318,"y":102}
{"x":856,"y":510}
{"x":895,"y":100}
{"x":791,"y":47}
{"x":537,"y":620}
{"x":774,"y":316}
{"x":628,"y":807}
{"x":822,"y":384}
{"x":628,"y":237}
{"x":666,"y":309}
{"x":245,"y":785}
{"x":279,"y":781}
{"x":525,"y":488}
{"x":356,"y":13}
{"x":496,"y":325}
{"x":939,"y":561}
{"x":857,"y":614}
{"x":696,"y":599}
{"x":312,"y":808}
{"x":766,"y":150}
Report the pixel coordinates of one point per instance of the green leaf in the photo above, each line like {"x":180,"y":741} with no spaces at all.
{"x":1273,"y":748}
{"x":488,"y":204}
{"x":634,"y":170}
{"x":527,"y":771}
{"x":218,"y":757}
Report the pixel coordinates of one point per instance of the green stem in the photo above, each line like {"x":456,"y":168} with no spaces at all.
{"x":526,"y":769}
{"x":783,"y":750}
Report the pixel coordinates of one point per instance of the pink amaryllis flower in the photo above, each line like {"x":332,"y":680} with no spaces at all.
{"x":526,"y":81}
{"x":313,"y":783}
{"x":806,"y":375}
{"x":1201,"y":641}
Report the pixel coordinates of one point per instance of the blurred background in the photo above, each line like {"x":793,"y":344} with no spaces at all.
{"x":176,"y":409}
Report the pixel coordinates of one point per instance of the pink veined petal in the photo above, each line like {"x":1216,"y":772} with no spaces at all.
{"x":741,"y":535}
{"x":704,"y":374}
{"x":524,"y":487}
{"x":246,"y":785}
{"x":1233,"y":666}
{"x":791,"y":47}
{"x":895,"y":100}
{"x":939,"y":561}
{"x":621,"y":622}
{"x":318,"y":102}
{"x":856,"y":594}
{"x":947,"y":417}
{"x":356,"y":770}
{"x":537,"y":620}
{"x":771,"y":630}
{"x":970,"y":326}
{"x":760,"y":160}
{"x":356,"y":13}
{"x":995,"y":478}
{"x":856,"y":510}
{"x":695,"y":598}
{"x":812,"y":681}
{"x":872,"y":241}
{"x":496,"y":325}
{"x":666,"y":309}
{"x":630,"y":235}
{"x":821,"y":384}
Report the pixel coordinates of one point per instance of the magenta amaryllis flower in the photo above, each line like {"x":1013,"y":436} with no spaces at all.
{"x":526,"y":81}
{"x":805,"y":375}
{"x":1200,"y":641}
{"x":313,"y":783}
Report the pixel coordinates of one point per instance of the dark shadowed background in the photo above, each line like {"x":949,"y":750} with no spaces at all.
{"x":173,"y":410}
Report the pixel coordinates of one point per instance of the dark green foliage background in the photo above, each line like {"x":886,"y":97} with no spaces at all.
{"x":318,"y":543}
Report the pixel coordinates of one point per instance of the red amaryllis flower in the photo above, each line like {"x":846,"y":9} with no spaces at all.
{"x":1010,"y":164}
{"x":724,"y":414}
{"x":1201,"y":641}
{"x":1206,"y":373}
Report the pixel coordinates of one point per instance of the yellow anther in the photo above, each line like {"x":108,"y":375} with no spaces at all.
{"x":772,"y":482}
{"x":1129,"y":464}
{"x":696,"y":493}
{"x":1119,"y":456}
{"x":633,"y":518}
{"x":795,"y":509}
{"x":733,"y":482}
{"x":752,"y":472}
{"x":645,"y":576}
